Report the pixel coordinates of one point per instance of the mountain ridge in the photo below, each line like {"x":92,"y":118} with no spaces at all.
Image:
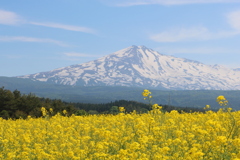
{"x":139,"y":66}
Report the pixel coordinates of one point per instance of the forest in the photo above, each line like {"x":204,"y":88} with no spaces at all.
{"x":15,"y":105}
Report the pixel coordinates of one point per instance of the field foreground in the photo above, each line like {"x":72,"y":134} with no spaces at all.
{"x":152,"y":136}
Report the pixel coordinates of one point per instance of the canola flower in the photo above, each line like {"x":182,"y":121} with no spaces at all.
{"x":146,"y":93}
{"x":44,"y":111}
{"x":222,"y":100}
{"x":207,"y":107}
{"x":121,"y":109}
{"x":147,"y":96}
{"x":126,"y":136}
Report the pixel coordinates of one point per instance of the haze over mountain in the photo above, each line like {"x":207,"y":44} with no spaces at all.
{"x":140,"y":66}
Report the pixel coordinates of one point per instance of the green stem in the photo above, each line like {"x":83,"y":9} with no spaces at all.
{"x":234,"y":123}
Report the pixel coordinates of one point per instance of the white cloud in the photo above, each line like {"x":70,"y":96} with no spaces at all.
{"x":75,"y":54}
{"x":190,"y":34}
{"x":13,"y":56}
{"x":31,"y":39}
{"x":80,"y":57}
{"x":199,"y":33}
{"x":164,"y":2}
{"x":234,"y":19}
{"x":195,"y":50}
{"x":65,"y":27}
{"x":175,"y":35}
{"x":9,"y":18}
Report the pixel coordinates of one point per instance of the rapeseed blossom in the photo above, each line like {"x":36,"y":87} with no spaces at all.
{"x":121,"y":109}
{"x":147,"y":96}
{"x":207,"y":107}
{"x":222,"y":101}
{"x":146,"y":93}
{"x":44,"y":111}
{"x":149,"y":136}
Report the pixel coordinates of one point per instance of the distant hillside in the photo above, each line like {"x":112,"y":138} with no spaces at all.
{"x":106,"y":94}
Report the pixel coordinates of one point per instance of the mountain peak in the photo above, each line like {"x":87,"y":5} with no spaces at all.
{"x":140,"y":66}
{"x":143,"y":47}
{"x":139,"y":47}
{"x":134,"y":46}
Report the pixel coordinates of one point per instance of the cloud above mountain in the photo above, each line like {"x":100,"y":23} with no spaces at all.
{"x":190,"y":34}
{"x":31,"y":39}
{"x":124,"y":3}
{"x":76,"y":54}
{"x":178,"y":34}
{"x":65,"y":27}
{"x":234,"y":19}
{"x":12,"y":18}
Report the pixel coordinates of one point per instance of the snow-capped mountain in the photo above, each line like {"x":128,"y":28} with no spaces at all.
{"x":144,"y":67}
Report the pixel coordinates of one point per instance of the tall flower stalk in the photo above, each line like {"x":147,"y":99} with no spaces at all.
{"x":147,"y":96}
{"x":222,"y":101}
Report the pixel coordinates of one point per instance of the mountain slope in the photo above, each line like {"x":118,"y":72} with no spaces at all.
{"x":143,"y":67}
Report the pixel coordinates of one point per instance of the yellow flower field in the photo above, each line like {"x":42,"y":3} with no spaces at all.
{"x":156,"y":135}
{"x":126,"y":136}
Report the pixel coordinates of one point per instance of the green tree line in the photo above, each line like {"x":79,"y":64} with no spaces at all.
{"x":15,"y":105}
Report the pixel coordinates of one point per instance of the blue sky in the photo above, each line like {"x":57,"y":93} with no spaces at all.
{"x":38,"y":36}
